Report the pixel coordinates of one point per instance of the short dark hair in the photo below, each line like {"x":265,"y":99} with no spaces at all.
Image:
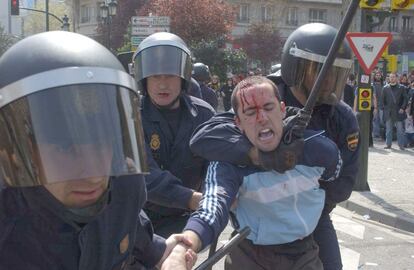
{"x":248,"y":82}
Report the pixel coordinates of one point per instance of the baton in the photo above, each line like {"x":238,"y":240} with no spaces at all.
{"x":310,"y":103}
{"x":225,"y":249}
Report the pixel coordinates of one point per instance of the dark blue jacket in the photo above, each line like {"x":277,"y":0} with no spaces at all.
{"x":338,"y":121}
{"x":174,"y":170}
{"x":209,"y":95}
{"x":36,"y":232}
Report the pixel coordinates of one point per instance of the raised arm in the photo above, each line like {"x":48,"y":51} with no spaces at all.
{"x":219,"y":139}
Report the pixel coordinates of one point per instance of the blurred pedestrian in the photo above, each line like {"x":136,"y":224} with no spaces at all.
{"x":394,"y":102}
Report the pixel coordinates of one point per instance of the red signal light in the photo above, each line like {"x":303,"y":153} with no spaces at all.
{"x":15,"y":7}
{"x":365,"y":94}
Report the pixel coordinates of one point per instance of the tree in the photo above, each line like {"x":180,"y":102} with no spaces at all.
{"x":194,"y":20}
{"x":220,"y":61}
{"x":35,"y":22}
{"x":120,"y":26}
{"x":6,"y":40}
{"x":262,"y":42}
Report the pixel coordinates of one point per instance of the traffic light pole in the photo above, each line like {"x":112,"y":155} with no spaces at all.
{"x":361,"y":183}
{"x":47,"y":14}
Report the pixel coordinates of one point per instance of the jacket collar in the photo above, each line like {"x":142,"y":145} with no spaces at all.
{"x":153,"y":113}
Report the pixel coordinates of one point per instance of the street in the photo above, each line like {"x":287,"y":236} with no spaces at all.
{"x":364,"y":244}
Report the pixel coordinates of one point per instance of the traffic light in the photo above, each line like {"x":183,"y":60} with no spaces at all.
{"x":392,"y":62}
{"x":364,"y":99}
{"x":371,"y":4}
{"x":14,"y":7}
{"x":402,"y":4}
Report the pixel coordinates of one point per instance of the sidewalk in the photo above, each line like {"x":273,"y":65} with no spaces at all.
{"x":390,"y":200}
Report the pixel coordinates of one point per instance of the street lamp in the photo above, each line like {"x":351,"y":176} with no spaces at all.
{"x":65,"y":23}
{"x":107,"y":12}
{"x":64,"y":20}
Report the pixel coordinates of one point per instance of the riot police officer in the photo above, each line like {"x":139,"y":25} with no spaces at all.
{"x":162,"y":65}
{"x":303,"y":55}
{"x":71,"y":159}
{"x":201,"y":73}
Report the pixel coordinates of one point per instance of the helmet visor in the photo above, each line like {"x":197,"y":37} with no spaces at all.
{"x":332,"y":86}
{"x":162,"y":60}
{"x":308,"y":68}
{"x":71,"y":133}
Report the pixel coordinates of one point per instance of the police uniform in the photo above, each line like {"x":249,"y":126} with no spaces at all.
{"x":303,"y":55}
{"x":174,"y":162}
{"x":69,"y":123}
{"x":174,"y":171}
{"x":38,"y":233}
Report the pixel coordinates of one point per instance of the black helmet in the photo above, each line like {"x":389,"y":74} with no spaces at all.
{"x":303,"y":55}
{"x":201,"y":72}
{"x":68,"y":111}
{"x":162,"y":53}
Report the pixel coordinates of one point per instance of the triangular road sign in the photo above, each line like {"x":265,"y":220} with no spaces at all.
{"x":368,"y":47}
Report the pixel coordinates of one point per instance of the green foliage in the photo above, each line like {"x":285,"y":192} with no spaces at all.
{"x":35,"y":22}
{"x":220,"y":61}
{"x":126,"y":46}
{"x":235,"y":60}
{"x":6,"y":40}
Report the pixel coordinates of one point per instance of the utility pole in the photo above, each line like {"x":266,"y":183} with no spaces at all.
{"x":47,"y":14}
{"x":361,"y":183}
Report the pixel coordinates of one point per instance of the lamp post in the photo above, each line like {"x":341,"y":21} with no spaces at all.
{"x":64,"y":20}
{"x":107,"y":12}
{"x":65,"y":23}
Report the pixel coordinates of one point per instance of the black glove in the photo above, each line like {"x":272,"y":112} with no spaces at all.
{"x":290,"y":148}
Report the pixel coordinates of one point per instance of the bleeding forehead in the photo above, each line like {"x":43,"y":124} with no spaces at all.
{"x":256,"y":95}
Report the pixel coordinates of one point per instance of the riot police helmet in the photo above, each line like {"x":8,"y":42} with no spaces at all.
{"x":303,"y":55}
{"x":201,"y":72}
{"x":162,"y":53}
{"x":68,"y":111}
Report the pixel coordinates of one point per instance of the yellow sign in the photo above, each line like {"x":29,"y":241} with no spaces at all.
{"x":364,"y":99}
{"x":402,"y":4}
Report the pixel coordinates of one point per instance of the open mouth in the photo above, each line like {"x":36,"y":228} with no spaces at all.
{"x":266,"y":134}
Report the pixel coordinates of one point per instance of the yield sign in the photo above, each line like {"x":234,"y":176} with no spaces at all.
{"x":368,"y":47}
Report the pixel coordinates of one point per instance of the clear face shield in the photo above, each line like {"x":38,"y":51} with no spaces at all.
{"x":71,"y":132}
{"x":162,"y":60}
{"x":308,"y":67}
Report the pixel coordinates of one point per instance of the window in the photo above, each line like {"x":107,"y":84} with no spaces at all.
{"x":243,"y":15}
{"x":292,"y":16}
{"x":393,"y":24}
{"x":317,"y":15}
{"x":86,"y":13}
{"x":406,"y":24}
{"x":266,"y":13}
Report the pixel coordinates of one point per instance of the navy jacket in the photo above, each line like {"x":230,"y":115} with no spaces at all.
{"x":209,"y":95}
{"x":37,"y":234}
{"x":338,"y":121}
{"x":174,"y":170}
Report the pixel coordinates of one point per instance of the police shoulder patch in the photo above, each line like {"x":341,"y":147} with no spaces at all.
{"x":352,"y":141}
{"x":155,"y":142}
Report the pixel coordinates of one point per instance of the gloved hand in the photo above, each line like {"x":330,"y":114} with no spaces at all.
{"x":290,"y":148}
